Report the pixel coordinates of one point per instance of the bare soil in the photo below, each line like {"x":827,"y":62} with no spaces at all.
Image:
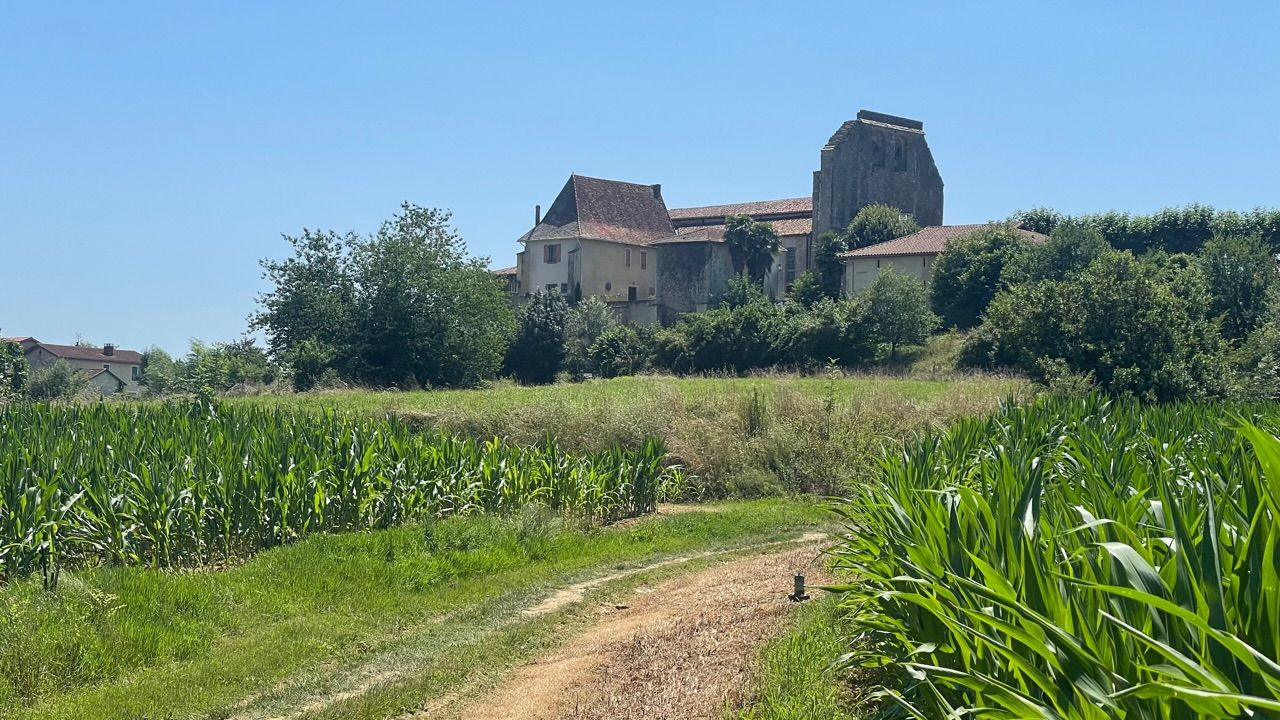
{"x":685,"y":648}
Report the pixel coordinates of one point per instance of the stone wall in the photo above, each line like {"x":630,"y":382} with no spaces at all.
{"x":690,"y":276}
{"x":876,"y":158}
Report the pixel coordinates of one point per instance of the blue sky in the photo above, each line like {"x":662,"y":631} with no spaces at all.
{"x":151,"y":153}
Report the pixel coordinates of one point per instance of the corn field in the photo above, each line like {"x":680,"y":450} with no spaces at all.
{"x":1073,"y":559}
{"x":200,"y":483}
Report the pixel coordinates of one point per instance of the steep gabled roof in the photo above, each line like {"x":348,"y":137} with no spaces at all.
{"x":80,"y":352}
{"x":788,"y":206}
{"x":929,"y":241}
{"x":610,"y":210}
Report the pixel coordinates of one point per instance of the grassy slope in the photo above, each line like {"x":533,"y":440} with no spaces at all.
{"x":741,"y":436}
{"x":124,"y":643}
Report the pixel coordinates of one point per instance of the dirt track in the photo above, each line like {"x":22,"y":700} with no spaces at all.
{"x":685,"y":648}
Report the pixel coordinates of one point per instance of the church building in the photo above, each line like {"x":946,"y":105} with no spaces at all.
{"x":620,"y":242}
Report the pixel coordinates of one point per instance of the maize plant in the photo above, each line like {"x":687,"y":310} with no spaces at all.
{"x":165,"y":485}
{"x":1073,"y":559}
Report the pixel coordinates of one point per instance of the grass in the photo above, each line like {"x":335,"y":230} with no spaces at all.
{"x":1076,"y":559}
{"x":740,"y":436}
{"x":125,"y":642}
{"x":798,"y":680}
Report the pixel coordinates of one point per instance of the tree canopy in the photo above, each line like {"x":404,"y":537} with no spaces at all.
{"x":967,"y":273}
{"x":876,"y":224}
{"x":751,"y":246}
{"x":405,"y":306}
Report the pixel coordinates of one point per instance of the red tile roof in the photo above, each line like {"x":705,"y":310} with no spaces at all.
{"x":929,"y":241}
{"x":505,"y":271}
{"x":715,"y":233}
{"x":596,"y":209}
{"x":81,"y":352}
{"x":762,"y":207}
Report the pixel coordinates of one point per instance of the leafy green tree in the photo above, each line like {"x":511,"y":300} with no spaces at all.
{"x":752,"y":246}
{"x":1242,"y":280}
{"x":740,"y":291}
{"x":537,"y":351}
{"x":405,"y":306}
{"x":966,"y":275}
{"x":59,"y":381}
{"x":585,"y":323}
{"x":897,"y":307}
{"x":1258,"y":361}
{"x":807,"y":290}
{"x":13,"y":369}
{"x":1071,"y":247}
{"x":876,"y":224}
{"x":1136,"y":326}
{"x":161,"y":374}
{"x":828,"y":265}
{"x":1042,"y":219}
{"x":734,"y":339}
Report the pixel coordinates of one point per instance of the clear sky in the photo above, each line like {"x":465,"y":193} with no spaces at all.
{"x":151,"y":153}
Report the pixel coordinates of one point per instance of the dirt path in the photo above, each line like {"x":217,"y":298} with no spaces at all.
{"x":685,"y":648}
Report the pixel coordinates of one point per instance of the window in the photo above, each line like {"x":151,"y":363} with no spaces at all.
{"x":632,"y":296}
{"x":791,"y":265}
{"x":552,"y":287}
{"x":644,"y":260}
{"x":653,"y":291}
{"x":564,"y":288}
{"x":137,"y":372}
{"x":628,"y":257}
{"x":551,"y":254}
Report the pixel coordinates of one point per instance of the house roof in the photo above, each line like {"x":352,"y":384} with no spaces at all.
{"x":787,"y":206}
{"x":596,"y":209}
{"x":715,"y":233}
{"x":83,"y":352}
{"x":929,"y":241}
{"x":506,"y":271}
{"x":95,"y":372}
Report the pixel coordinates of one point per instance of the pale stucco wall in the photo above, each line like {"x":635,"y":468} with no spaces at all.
{"x":536,"y":273}
{"x":605,"y":272}
{"x":775,"y":281}
{"x":860,"y":272}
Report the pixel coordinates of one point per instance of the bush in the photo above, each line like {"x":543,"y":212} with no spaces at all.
{"x":622,"y":350}
{"x":831,"y":330}
{"x":734,"y":339}
{"x":808,"y":290}
{"x":967,"y":274}
{"x":898,"y":311}
{"x":584,"y":324}
{"x":59,"y":381}
{"x":13,"y":369}
{"x":537,"y":351}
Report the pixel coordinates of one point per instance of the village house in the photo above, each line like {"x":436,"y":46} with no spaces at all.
{"x":110,"y":369}
{"x":910,"y":255}
{"x":618,"y":241}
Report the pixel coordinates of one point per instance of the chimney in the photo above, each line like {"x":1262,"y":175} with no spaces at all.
{"x":657,"y":191}
{"x":537,"y":215}
{"x":108,"y":349}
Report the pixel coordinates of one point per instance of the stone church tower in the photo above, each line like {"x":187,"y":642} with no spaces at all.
{"x":876,"y":158}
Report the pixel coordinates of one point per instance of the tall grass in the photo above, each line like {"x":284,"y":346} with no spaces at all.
{"x":178,"y":484}
{"x":1074,"y":559}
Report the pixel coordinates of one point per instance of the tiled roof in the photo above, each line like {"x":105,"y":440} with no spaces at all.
{"x":715,"y":233}
{"x":505,"y":271}
{"x":763,"y":207}
{"x":928,"y":241}
{"x":610,"y":210}
{"x":79,"y":352}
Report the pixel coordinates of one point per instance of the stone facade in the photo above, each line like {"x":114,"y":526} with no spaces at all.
{"x":876,"y":158}
{"x":692,"y":272}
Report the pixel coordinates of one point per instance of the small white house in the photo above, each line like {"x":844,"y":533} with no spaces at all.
{"x":910,"y":255}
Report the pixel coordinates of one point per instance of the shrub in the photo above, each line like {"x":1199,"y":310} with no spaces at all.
{"x":898,"y":311}
{"x":584,"y":324}
{"x":59,"y":381}
{"x":537,"y":351}
{"x":836,"y":330}
{"x":621,"y":350}
{"x":967,"y":274}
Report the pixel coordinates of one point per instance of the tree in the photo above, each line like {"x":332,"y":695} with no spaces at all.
{"x":1136,"y":326}
{"x":831,"y":330}
{"x":160,"y":373}
{"x":1241,"y":274}
{"x":59,"y":381}
{"x":1071,"y":247}
{"x":876,"y":224}
{"x":752,"y":246}
{"x":966,"y":275}
{"x":585,"y":323}
{"x":898,"y":311}
{"x":828,"y":265}
{"x":740,"y":291}
{"x":807,"y":290}
{"x":405,"y":306}
{"x":536,"y":353}
{"x":622,"y":350}
{"x":13,"y":369}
